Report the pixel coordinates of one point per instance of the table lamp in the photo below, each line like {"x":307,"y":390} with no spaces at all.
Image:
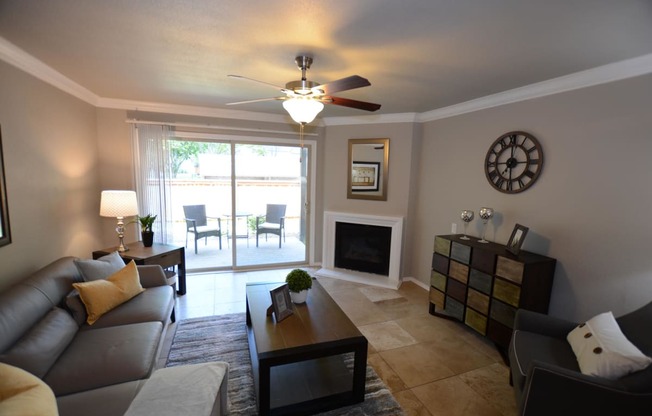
{"x":119,"y":204}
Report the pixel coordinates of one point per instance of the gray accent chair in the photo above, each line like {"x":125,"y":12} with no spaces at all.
{"x":273,"y":222}
{"x":197,"y":224}
{"x":547,"y":379}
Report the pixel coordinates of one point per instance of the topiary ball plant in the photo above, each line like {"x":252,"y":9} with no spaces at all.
{"x":298,"y":280}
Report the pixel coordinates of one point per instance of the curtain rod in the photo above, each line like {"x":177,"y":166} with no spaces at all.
{"x":216,"y":127}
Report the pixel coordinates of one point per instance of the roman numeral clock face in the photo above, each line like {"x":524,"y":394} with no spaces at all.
{"x":514,"y":162}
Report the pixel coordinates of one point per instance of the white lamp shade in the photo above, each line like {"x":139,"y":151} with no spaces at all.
{"x":118,"y":204}
{"x":303,"y":110}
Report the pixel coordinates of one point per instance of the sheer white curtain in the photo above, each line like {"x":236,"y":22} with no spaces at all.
{"x":153,"y":175}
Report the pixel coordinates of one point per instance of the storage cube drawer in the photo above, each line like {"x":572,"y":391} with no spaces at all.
{"x":437,"y":298}
{"x":456,"y":290}
{"x":454,"y":308}
{"x":507,"y":292}
{"x":438,"y":280}
{"x":440,"y":263}
{"x":478,"y":301}
{"x":503,"y":313}
{"x":476,"y":321}
{"x":484,"y":261}
{"x":510,"y":269}
{"x":459,"y":271}
{"x":461,"y":252}
{"x":480,"y":281}
{"x":442,"y":246}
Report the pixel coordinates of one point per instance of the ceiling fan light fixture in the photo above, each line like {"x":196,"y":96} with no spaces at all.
{"x":303,"y":110}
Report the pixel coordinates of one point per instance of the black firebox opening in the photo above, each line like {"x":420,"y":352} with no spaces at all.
{"x":361,"y":247}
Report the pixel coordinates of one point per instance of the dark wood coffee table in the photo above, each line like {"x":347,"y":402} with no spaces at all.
{"x":299,"y":364}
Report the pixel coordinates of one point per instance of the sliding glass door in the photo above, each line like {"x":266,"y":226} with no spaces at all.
{"x":239,"y":205}
{"x":270,"y":196}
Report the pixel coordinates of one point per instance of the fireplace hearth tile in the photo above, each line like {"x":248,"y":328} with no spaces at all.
{"x":376,"y":294}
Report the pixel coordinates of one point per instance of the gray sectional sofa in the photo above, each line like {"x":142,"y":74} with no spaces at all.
{"x":92,"y":370}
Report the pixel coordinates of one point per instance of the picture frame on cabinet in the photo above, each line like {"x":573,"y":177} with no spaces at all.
{"x":516,"y":239}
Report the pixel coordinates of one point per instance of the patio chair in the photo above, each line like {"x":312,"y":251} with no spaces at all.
{"x":273,"y":222}
{"x":197,"y":224}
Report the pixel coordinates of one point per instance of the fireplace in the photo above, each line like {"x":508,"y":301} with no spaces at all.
{"x":384,"y":274}
{"x":362,"y":247}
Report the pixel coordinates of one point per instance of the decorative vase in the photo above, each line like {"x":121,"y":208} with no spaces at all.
{"x":485,"y":214}
{"x":148,"y":238}
{"x":467,"y":217}
{"x":299,"y":297}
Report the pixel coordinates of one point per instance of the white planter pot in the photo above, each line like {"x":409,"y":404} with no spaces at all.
{"x":299,"y":297}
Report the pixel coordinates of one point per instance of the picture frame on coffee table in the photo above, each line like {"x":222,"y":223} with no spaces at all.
{"x":281,"y":302}
{"x":516,"y":239}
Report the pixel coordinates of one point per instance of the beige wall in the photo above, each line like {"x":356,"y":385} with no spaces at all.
{"x":590,"y":208}
{"x":336,"y":153}
{"x":50,"y":156}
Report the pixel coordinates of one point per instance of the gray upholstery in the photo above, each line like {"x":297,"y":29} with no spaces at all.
{"x":547,"y":379}
{"x":105,"y":401}
{"x":39,"y":334}
{"x":106,"y":356}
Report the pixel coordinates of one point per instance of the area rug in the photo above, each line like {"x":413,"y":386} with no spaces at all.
{"x":224,"y":338}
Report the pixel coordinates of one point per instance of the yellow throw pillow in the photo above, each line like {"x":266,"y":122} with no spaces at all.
{"x":22,"y":393}
{"x":100,"y":296}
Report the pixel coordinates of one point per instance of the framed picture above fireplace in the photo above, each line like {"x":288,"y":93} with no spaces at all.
{"x":368,"y":169}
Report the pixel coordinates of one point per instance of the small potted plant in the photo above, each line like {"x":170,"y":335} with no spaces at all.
{"x":299,"y":281}
{"x":146,"y":232}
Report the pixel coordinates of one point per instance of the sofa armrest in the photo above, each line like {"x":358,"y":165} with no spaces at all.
{"x":152,"y":276}
{"x":195,"y":389}
{"x":539,"y":323}
{"x":554,"y":390}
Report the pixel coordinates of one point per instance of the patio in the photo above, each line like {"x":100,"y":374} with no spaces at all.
{"x":209,"y":256}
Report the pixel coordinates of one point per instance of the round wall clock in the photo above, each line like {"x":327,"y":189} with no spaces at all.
{"x":514,"y":162}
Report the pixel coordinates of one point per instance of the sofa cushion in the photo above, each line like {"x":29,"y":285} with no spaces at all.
{"x":26,"y":303}
{"x":41,"y":346}
{"x":100,"y":296}
{"x":603,"y":350}
{"x":101,"y":268}
{"x":106,"y":356}
{"x":153,"y":305}
{"x":104,"y":401}
{"x":22,"y":393}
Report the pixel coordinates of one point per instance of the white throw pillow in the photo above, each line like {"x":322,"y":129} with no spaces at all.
{"x":603,"y":350}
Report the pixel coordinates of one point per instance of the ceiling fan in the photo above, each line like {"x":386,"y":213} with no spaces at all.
{"x":304,"y":99}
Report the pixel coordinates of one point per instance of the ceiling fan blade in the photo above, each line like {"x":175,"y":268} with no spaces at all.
{"x":344,"y":84}
{"x":347,"y":102}
{"x":257,"y":100}
{"x":276,"y":87}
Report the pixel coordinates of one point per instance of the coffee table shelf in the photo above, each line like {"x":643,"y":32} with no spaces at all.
{"x":300,"y":364}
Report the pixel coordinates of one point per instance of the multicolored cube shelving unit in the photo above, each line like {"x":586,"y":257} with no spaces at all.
{"x":483,"y":284}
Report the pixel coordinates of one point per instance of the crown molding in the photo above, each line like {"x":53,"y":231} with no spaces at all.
{"x":17,"y":57}
{"x":595,"y":76}
{"x":371,"y":119}
{"x":189,"y":110}
{"x":600,"y":75}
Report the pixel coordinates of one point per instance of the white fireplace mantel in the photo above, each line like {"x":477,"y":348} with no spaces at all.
{"x":328,"y":269}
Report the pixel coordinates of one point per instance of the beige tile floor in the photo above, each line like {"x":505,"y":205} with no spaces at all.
{"x":432,"y":366}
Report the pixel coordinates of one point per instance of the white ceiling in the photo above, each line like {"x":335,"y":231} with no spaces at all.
{"x":419,"y":55}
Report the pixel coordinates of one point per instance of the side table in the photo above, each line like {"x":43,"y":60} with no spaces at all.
{"x":164,"y":255}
